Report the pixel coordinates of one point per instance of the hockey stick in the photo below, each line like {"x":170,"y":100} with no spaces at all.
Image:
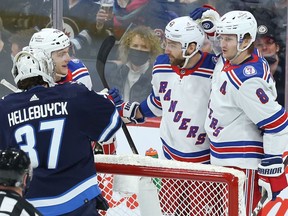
{"x":260,"y":204}
{"x":264,"y":197}
{"x":103,"y":53}
{"x":9,"y":85}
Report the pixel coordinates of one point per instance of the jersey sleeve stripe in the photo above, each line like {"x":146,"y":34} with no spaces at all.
{"x":242,"y":144}
{"x":80,"y":76}
{"x":80,"y":70}
{"x":155,"y":101}
{"x":278,"y":129}
{"x":279,"y":122}
{"x":275,"y":123}
{"x":113,"y":126}
{"x":80,"y":73}
{"x":154,"y":104}
{"x":145,"y":110}
{"x":238,"y":149}
{"x":235,"y":155}
{"x":162,"y":68}
{"x":251,"y":149}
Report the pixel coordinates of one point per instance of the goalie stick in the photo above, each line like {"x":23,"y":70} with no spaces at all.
{"x":9,"y":85}
{"x":102,"y":55}
{"x":264,"y":197}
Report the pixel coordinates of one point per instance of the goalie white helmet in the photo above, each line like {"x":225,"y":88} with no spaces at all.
{"x":32,"y":64}
{"x":185,"y":30}
{"x":239,"y":23}
{"x":49,"y":39}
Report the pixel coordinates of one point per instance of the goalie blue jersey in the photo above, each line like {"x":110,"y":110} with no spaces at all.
{"x":55,"y":126}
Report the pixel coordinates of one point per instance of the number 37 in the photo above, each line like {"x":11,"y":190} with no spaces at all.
{"x":26,"y":139}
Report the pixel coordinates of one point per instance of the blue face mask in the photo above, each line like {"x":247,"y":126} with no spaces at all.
{"x":138,"y":57}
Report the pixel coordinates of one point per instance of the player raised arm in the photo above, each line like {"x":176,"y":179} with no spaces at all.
{"x":207,"y":16}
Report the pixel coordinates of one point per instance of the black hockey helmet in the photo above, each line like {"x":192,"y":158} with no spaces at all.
{"x":14,"y":165}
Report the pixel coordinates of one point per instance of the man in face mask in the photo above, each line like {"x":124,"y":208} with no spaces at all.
{"x":270,"y":47}
{"x":270,"y":44}
{"x":137,"y":52}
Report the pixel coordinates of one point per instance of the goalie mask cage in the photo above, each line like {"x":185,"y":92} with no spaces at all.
{"x":146,"y":186}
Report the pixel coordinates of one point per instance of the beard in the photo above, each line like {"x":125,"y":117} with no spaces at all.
{"x":177,"y":61}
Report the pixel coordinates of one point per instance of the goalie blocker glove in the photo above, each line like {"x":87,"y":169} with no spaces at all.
{"x":207,"y":17}
{"x":272,"y":176}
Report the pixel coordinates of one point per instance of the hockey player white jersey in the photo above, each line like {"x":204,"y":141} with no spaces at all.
{"x":180,"y":96}
{"x":243,"y":120}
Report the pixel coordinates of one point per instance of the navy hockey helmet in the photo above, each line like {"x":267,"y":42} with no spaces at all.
{"x":14,"y":165}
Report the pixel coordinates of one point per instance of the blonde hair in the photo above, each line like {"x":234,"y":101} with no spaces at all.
{"x":149,"y":37}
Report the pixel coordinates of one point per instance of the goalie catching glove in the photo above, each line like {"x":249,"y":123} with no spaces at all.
{"x":207,"y":16}
{"x":272,"y":176}
{"x":127,"y":110}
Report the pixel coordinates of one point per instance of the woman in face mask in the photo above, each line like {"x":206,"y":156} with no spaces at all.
{"x":137,"y":52}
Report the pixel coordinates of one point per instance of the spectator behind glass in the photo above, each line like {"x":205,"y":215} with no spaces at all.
{"x":19,"y":40}
{"x":18,"y":15}
{"x":155,"y":14}
{"x":137,"y":52}
{"x":272,"y":48}
{"x":79,"y":25}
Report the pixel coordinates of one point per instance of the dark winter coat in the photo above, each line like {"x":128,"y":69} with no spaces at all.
{"x":116,"y":76}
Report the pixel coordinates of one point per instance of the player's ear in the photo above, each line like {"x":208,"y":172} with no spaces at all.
{"x":277,"y":48}
{"x":245,"y":43}
{"x":25,"y":178}
{"x":191,"y":48}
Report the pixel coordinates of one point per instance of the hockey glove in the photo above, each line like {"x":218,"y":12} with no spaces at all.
{"x":207,"y":17}
{"x":116,"y":96}
{"x":109,"y":146}
{"x":272,"y":176}
{"x":105,"y":93}
{"x":128,"y":110}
